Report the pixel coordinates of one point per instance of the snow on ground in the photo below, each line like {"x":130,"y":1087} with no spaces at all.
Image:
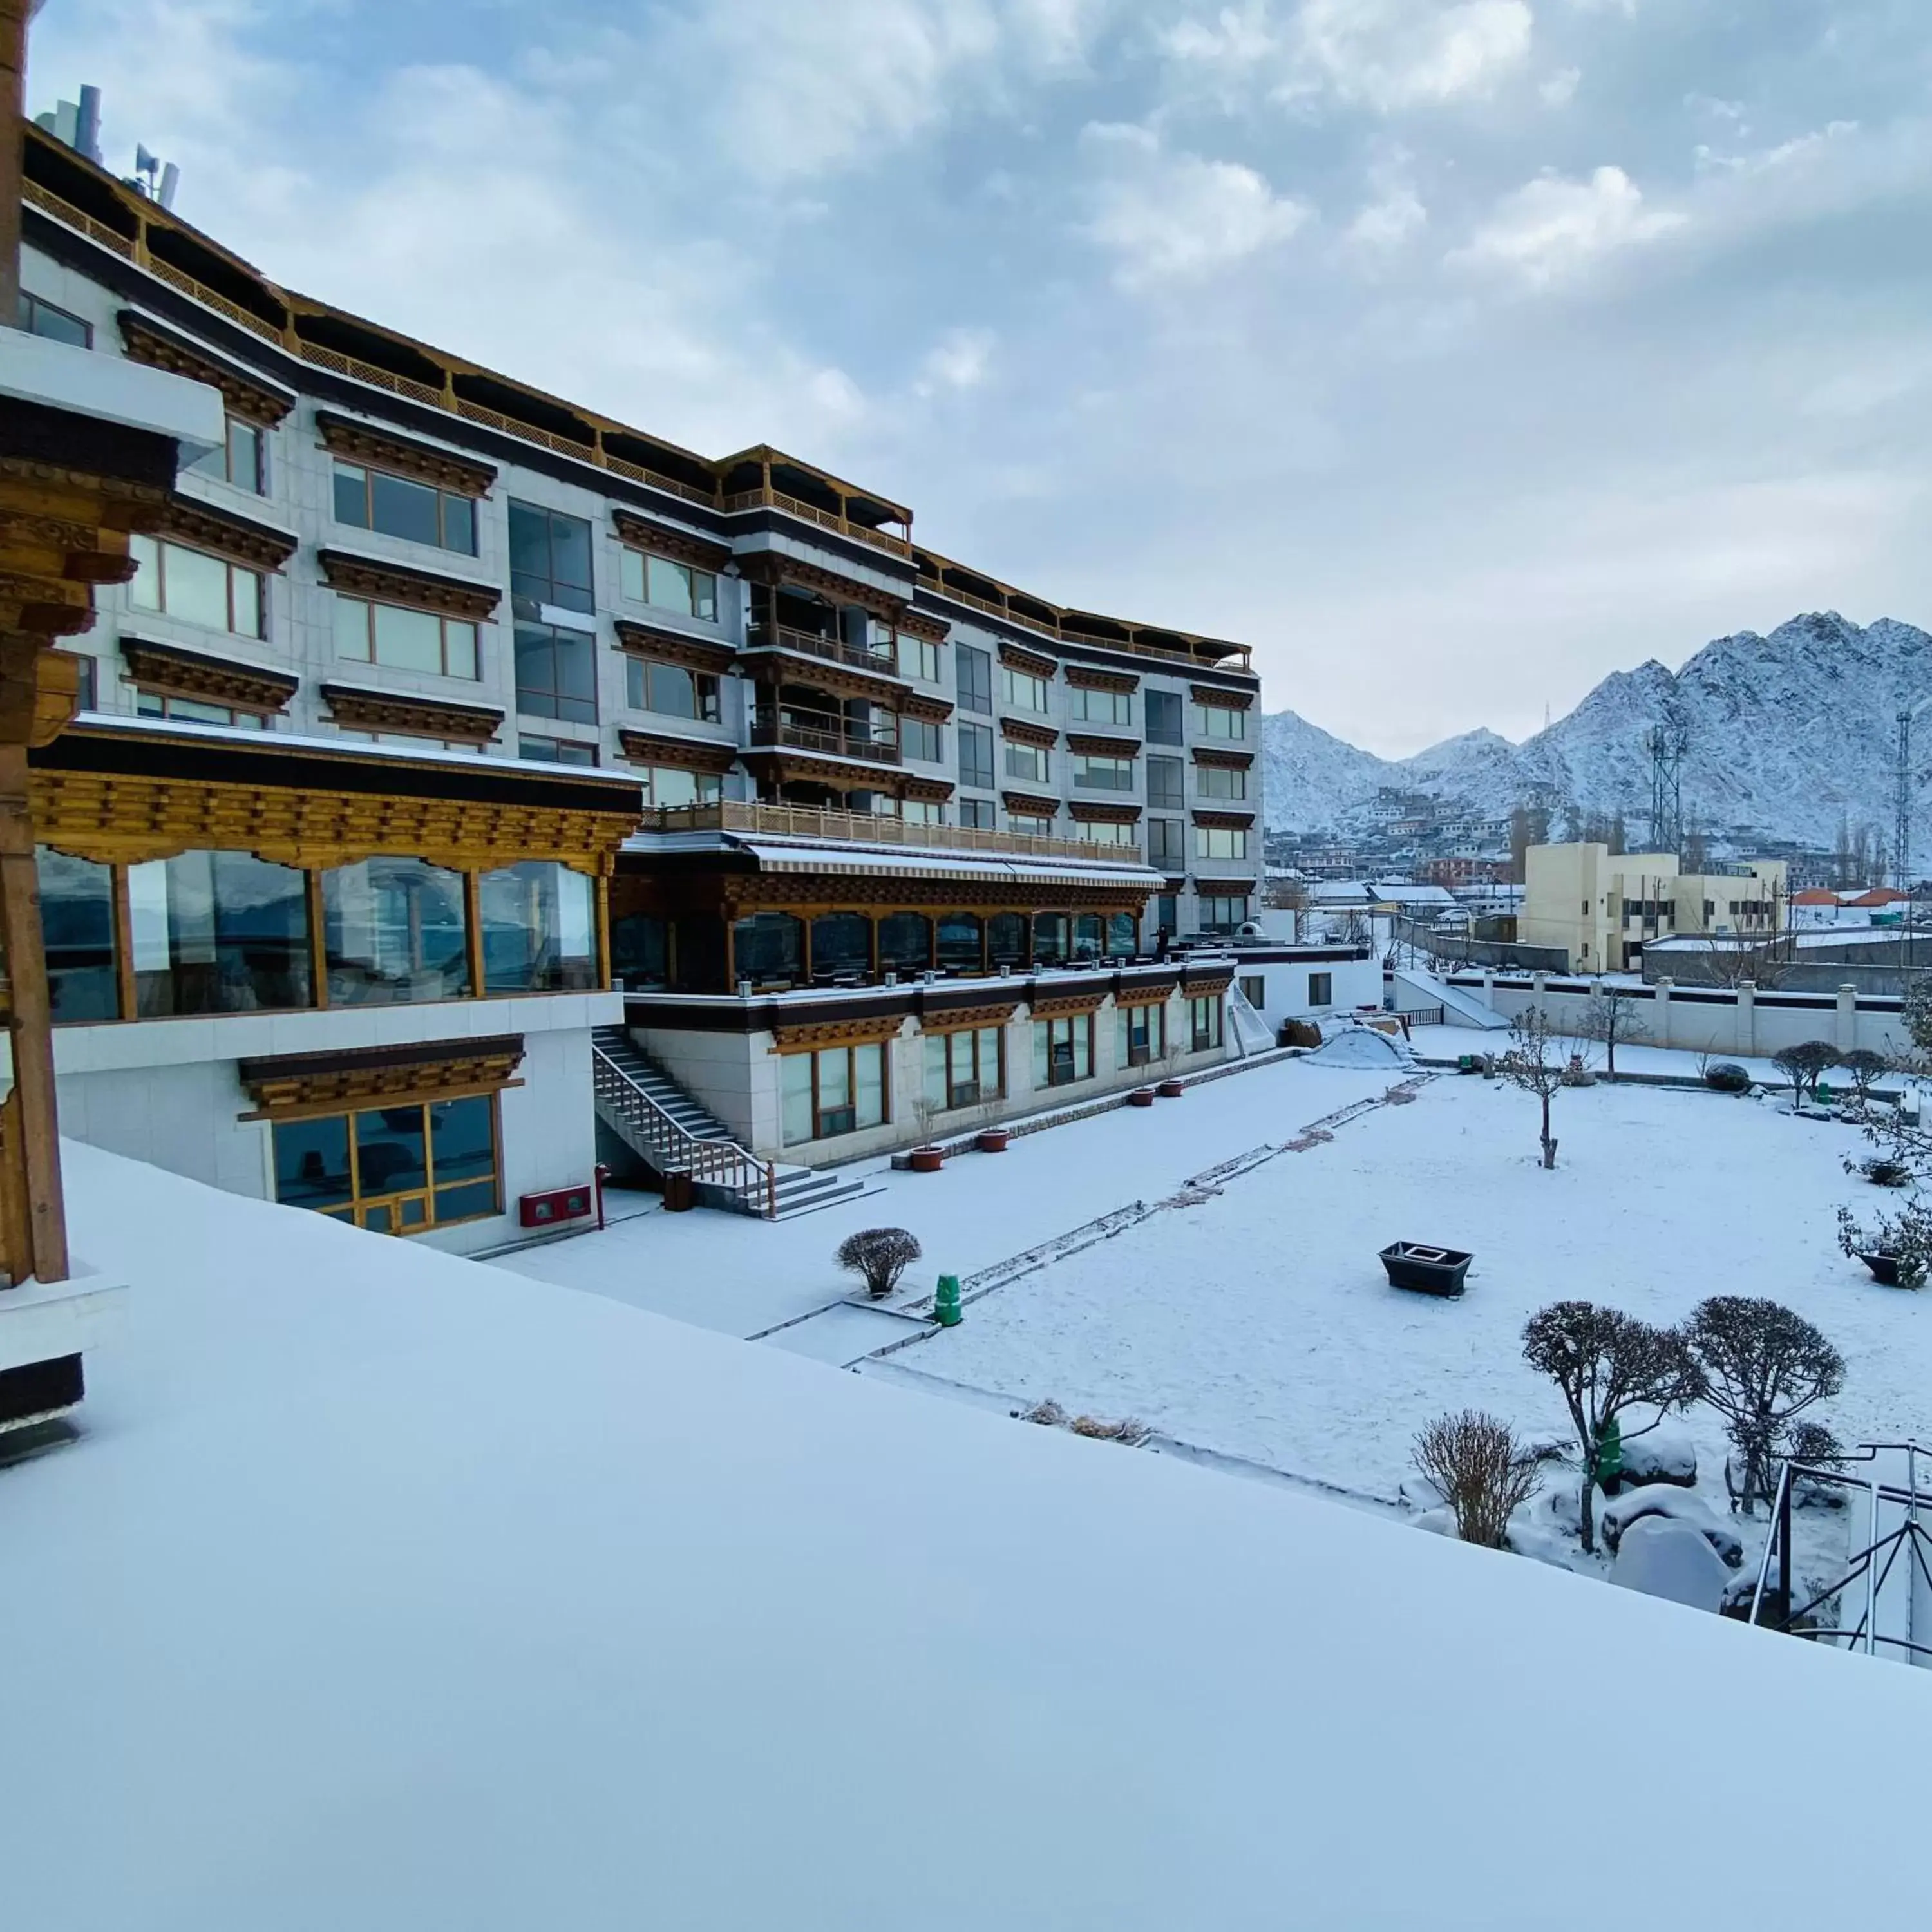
{"x":389,"y":1590}
{"x":1451,"y":1043}
{"x":1259,"y":1323}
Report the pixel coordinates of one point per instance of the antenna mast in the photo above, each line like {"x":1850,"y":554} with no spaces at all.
{"x":1667,"y":744}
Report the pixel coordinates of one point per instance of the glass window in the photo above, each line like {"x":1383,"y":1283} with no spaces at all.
{"x":1166,"y":844}
{"x":77,"y":934}
{"x":394,"y":931}
{"x":41,"y":318}
{"x":1222,"y":912}
{"x":197,"y":588}
{"x":1143,"y":1034}
{"x":673,"y":785}
{"x":919,"y":739}
{"x":556,"y":673}
{"x":976,"y":755}
{"x":554,"y":751}
{"x":1062,"y":1051}
{"x":645,"y":578}
{"x":918,"y":657}
{"x":86,"y":681}
{"x":1321,"y":989}
{"x":239,"y":458}
{"x":395,"y":1170}
{"x":539,"y":929}
{"x":1101,"y":707}
{"x":1204,"y":1019}
{"x":407,"y":640}
{"x":399,"y":506}
{"x":1166,"y":783}
{"x":549,"y":557}
{"x":1164,"y":717}
{"x":769,"y":947}
{"x":841,"y":945}
{"x":1220,"y":721}
{"x":1219,"y":782}
{"x":922,"y":811}
{"x":640,"y":951}
{"x":1166,"y":913}
{"x":671,"y":690}
{"x":1007,"y":938}
{"x":1101,"y":832}
{"x":1030,"y":762}
{"x":959,"y":941}
{"x":1220,"y":842}
{"x":191,"y":710}
{"x":1049,"y":935}
{"x":1030,"y":824}
{"x":1088,"y":936}
{"x":905,"y":943}
{"x":1097,"y":774}
{"x":1021,"y":690}
{"x":979,"y":812}
{"x":963,"y":1069}
{"x":1121,"y":935}
{"x":972,"y":670}
{"x":218,"y":932}
{"x":838,"y":1090}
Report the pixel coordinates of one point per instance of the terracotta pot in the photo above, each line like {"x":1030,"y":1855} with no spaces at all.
{"x":1142,"y":1096}
{"x":1171,"y":1089}
{"x":927,"y":1160}
{"x":993,"y":1140}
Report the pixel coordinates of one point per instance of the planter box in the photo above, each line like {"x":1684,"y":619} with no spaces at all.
{"x":926,"y":1160}
{"x":992,"y":1140}
{"x":1884,"y":1268}
{"x":1427,"y":1270}
{"x":1142,"y":1096}
{"x":1171,"y":1089}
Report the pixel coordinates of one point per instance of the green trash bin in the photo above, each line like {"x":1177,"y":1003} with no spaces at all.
{"x":946,"y":1302}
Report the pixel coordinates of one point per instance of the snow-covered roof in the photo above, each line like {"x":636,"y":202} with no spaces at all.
{"x":387,"y":1590}
{"x":802,"y":855}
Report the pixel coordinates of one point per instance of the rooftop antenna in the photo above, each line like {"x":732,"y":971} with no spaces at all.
{"x":87,"y":124}
{"x":1667,"y":744}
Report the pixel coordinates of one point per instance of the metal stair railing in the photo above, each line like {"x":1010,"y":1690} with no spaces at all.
{"x":673,"y":1148}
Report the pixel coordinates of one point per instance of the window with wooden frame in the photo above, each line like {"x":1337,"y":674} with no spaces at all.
{"x":645,"y":577}
{"x":195,"y":587}
{"x":1143,"y":1033}
{"x":919,"y":738}
{"x":86,"y":681}
{"x":398,"y":1169}
{"x":1021,"y":690}
{"x":672,"y":785}
{"x":837,"y":1090}
{"x":1032,"y":764}
{"x":1220,"y":721}
{"x":918,"y":657}
{"x":1107,"y":831}
{"x":405,"y":639}
{"x":1222,"y":912}
{"x":1026,"y":822}
{"x":965,"y":1069}
{"x":240,"y":458}
{"x":1203,"y":1020}
{"x":1221,"y":782}
{"x":368,"y":499}
{"x":1220,"y":842}
{"x":194,"y":711}
{"x":670,"y":690}
{"x":1092,"y":772}
{"x":1063,"y":1050}
{"x":1100,"y":707}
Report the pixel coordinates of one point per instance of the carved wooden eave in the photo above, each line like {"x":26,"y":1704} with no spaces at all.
{"x":933,"y":710}
{"x":878,"y":893}
{"x":1089,"y":745}
{"x":1217,"y":695}
{"x":1033,"y":663}
{"x":1029,"y":805}
{"x":1068,"y":1005}
{"x":651,"y":641}
{"x":913,"y":623}
{"x":1228,"y":761}
{"x":1094,"y":812}
{"x":779,"y":663}
{"x":680,"y":546}
{"x":968,"y":1019}
{"x":382,"y":449}
{"x":172,"y":672}
{"x":248,"y":396}
{"x":1085,"y":677}
{"x":187,"y":520}
{"x":773,"y":567}
{"x":935,"y":790}
{"x":364,"y":710}
{"x":387,"y":582}
{"x":652,"y":748}
{"x":1235,"y":821}
{"x":786,"y":766}
{"x":1197,"y":989}
{"x":1043,"y":736}
{"x":292,"y":1086}
{"x":807,"y":1039}
{"x":1143,"y":995}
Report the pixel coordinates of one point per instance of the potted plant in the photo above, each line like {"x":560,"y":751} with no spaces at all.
{"x":925,"y":1158}
{"x":992,"y":1140}
{"x":1142,"y":1096}
{"x":1170,"y":1088}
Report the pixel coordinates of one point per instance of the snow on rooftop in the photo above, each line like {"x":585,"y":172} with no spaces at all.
{"x":389,"y":1590}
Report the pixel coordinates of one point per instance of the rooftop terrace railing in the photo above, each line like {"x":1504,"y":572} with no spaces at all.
{"x":863,"y":828}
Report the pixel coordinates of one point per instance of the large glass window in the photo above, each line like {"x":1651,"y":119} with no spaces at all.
{"x":1107,"y":831}
{"x":1101,"y":707}
{"x":1165,"y":717}
{"x":647,"y":579}
{"x":193,"y":711}
{"x":1007,"y":938}
{"x":1167,"y":783}
{"x":976,"y":755}
{"x":393,"y":634}
{"x":1032,"y":763}
{"x":77,"y":935}
{"x":959,"y":941}
{"x":1220,"y":842}
{"x":919,"y":739}
{"x":1222,"y":912}
{"x":394,"y":931}
{"x":963,"y":1069}
{"x":1063,"y":1050}
{"x":768,"y":947}
{"x":554,"y":751}
{"x":395,"y":1170}
{"x":399,"y":506}
{"x":1167,"y":846}
{"x":539,"y":929}
{"x":1143,"y":1033}
{"x":841,"y":946}
{"x":1220,"y":721}
{"x":671,"y":690}
{"x":972,"y":670}
{"x":978,"y":813}
{"x":838,"y":1090}
{"x":197,"y":588}
{"x":556,"y":673}
{"x":549,"y":557}
{"x":1166,"y":913}
{"x":1089,"y":936}
{"x":672,"y":784}
{"x":1220,"y":781}
{"x":240,"y":458}
{"x":1049,"y":937}
{"x":1122,"y":935}
{"x":1097,"y":774}
{"x":41,"y":318}
{"x":905,"y":943}
{"x":918,"y":657}
{"x":1021,"y":690}
{"x":1204,"y":1019}
{"x":218,"y":932}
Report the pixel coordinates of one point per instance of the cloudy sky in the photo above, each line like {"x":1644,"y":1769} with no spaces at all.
{"x":1453,"y":352}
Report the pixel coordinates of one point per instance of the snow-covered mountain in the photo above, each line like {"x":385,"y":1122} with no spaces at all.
{"x":1788,"y":734}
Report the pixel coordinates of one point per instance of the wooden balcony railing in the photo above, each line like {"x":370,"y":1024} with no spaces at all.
{"x":834,"y":650}
{"x":812,"y":738}
{"x":862,"y":828}
{"x":766,"y":498}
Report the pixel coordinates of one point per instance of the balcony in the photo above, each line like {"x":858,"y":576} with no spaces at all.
{"x":774,"y":732}
{"x":860,"y":828}
{"x":833,"y":650}
{"x":765,"y":497}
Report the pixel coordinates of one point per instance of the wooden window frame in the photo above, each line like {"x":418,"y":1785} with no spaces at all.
{"x":1039,"y":774}
{"x":162,"y":544}
{"x":1207,"y":1006}
{"x":359,"y":1204}
{"x":707,"y":689}
{"x":261,"y":714}
{"x":1068,"y":1021}
{"x":1156,"y":1049}
{"x":816,"y":1054}
{"x":371,"y":605}
{"x":643,"y":552}
{"x":338,"y":463}
{"x":971,"y":1035}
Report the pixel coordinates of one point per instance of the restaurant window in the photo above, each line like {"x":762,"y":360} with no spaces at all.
{"x":1101,"y":707}
{"x":1089,"y":936}
{"x":919,"y":739}
{"x":1167,"y":843}
{"x":905,"y":943}
{"x":1143,"y":1033}
{"x":1167,"y":783}
{"x":394,"y":1170}
{"x":399,"y":506}
{"x":1204,"y":1019}
{"x":841,"y":946}
{"x":838,"y":1090}
{"x":640,"y":952}
{"x":1165,"y":717}
{"x":1220,"y":842}
{"x":1007,"y":938}
{"x":405,"y":639}
{"x":646,"y":578}
{"x":972,"y":670}
{"x":554,"y":751}
{"x":1021,"y":690}
{"x":77,"y":935}
{"x":978,"y":813}
{"x":964,"y":1070}
{"x":671,"y":690}
{"x":1030,"y":763}
{"x":394,"y":931}
{"x":1097,"y":774}
{"x":1122,"y":935}
{"x":1220,"y":721}
{"x":193,"y":711}
{"x":672,"y":784}
{"x":194,"y":587}
{"x":241,"y":457}
{"x":1049,"y":936}
{"x":539,"y":929}
{"x":918,"y":657}
{"x":959,"y":935}
{"x":1222,"y":912}
{"x":976,"y":755}
{"x":41,"y":318}
{"x":769,"y":947}
{"x":1221,"y":782}
{"x":1062,"y":1051}
{"x":218,"y":932}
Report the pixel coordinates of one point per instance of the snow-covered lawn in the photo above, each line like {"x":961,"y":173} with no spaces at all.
{"x":1259,"y":1324}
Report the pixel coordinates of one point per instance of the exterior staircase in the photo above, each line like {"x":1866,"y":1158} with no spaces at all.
{"x":671,"y":1133}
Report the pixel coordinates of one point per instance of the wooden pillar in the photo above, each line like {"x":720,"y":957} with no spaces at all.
{"x":12,"y":73}
{"x":805,"y":944}
{"x":473,"y":919}
{"x":31,"y":1175}
{"x":731,"y":949}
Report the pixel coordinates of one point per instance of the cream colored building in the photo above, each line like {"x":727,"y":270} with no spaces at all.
{"x":1600,"y":907}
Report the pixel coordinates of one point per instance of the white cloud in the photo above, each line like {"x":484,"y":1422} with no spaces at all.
{"x":1552,"y":226}
{"x":1395,"y":211}
{"x":1805,"y":151}
{"x":1167,"y":217}
{"x":960,"y":359}
{"x":1560,"y":89}
{"x":1392,"y":54}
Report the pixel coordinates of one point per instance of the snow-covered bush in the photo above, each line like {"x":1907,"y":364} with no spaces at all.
{"x":1882,"y":1170}
{"x":881,"y":1254}
{"x":1726,"y":1076}
{"x":1480,"y":1470}
{"x":1907,"y":1234}
{"x":1865,"y":1068}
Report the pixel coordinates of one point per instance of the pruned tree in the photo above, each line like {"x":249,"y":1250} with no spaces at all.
{"x":1483,"y":1472}
{"x":880,"y":1255}
{"x":1614,"y":1015}
{"x":1804,"y":1065}
{"x":1866,"y":1069}
{"x":1606,"y":1362}
{"x":1762,"y":1366}
{"x":1733,"y":963}
{"x":1538,"y":1058}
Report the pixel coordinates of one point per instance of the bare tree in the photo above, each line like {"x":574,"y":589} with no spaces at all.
{"x":1734,"y":963}
{"x":1538,"y":1059}
{"x":1483,"y":1473}
{"x":1614,"y":1015}
{"x":1606,"y":1362}
{"x":881,"y":1254}
{"x":1762,"y":1365}
{"x":1804,"y":1065}
{"x":1866,"y":1068}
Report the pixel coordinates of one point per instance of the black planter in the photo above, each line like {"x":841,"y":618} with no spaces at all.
{"x":1884,"y":1267}
{"x":1426,"y":1269}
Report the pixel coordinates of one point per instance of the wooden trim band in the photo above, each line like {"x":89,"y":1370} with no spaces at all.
{"x":1145,"y":996}
{"x":382,"y":449}
{"x":807,"y":1039}
{"x":1230,"y":821}
{"x":389,"y":583}
{"x":1085,"y":677}
{"x":1102,"y":747}
{"x":363,"y":710}
{"x":649,"y":747}
{"x":1030,"y":805}
{"x":246,"y":396}
{"x":169,"y":669}
{"x":1068,"y":1005}
{"x":933,"y":710}
{"x":649,"y":640}
{"x":1230,"y":761}
{"x":1228,"y":701}
{"x":680,"y":546}
{"x":786,"y":764}
{"x":1034,"y":663}
{"x":187,"y":520}
{"x":778,"y":663}
{"x":285,"y":1086}
{"x":1093,"y":812}
{"x":1043,"y":735}
{"x":1202,"y":989}
{"x":911,"y":623}
{"x":970,"y":1019}
{"x":936,"y":790}
{"x":772,"y":567}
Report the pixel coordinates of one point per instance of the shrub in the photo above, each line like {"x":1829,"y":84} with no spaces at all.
{"x":1908,"y":1234}
{"x":1882,"y":1170}
{"x":881,"y":1254}
{"x":1726,"y":1076}
{"x":1804,"y":1066}
{"x":1484,"y":1474}
{"x":1865,"y":1068}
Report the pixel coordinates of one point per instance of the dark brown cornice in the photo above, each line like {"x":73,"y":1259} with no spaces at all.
{"x":1097,"y":813}
{"x":246,"y":396}
{"x":176,"y":673}
{"x":1214,"y":694}
{"x":651,"y":748}
{"x":187,"y":520}
{"x":363,"y":710}
{"x":680,"y":546}
{"x":1033,"y":663}
{"x":649,"y":640}
{"x":1044,"y":736}
{"x":383,"y":449}
{"x":1097,"y":747}
{"x":1085,"y":677}
{"x":389,"y":583}
{"x":772,"y":567}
